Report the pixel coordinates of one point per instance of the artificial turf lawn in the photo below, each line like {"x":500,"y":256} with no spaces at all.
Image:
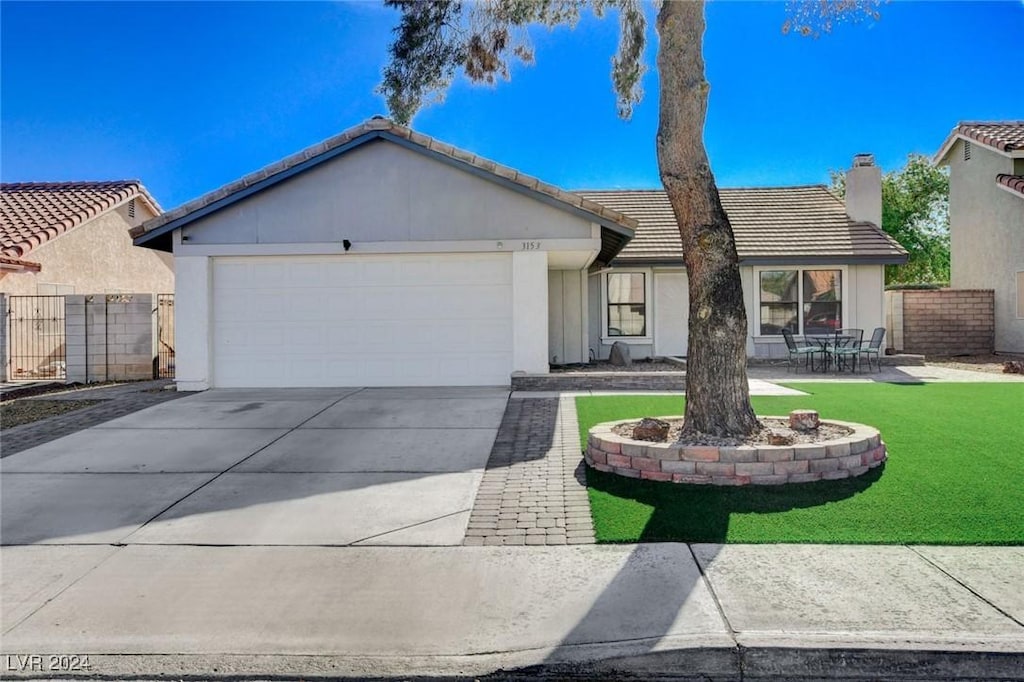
{"x":955,"y":474}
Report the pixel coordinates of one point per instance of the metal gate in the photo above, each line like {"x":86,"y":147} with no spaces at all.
{"x":36,"y":338}
{"x":165,"y":335}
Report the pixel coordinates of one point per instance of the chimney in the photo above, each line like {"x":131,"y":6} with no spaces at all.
{"x":864,"y":190}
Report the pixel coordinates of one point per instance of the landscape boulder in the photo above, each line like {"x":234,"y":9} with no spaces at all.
{"x":620,"y":355}
{"x":650,"y":429}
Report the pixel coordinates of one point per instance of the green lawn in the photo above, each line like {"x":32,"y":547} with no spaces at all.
{"x":955,"y":474}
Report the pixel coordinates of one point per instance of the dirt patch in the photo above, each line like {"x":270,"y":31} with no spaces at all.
{"x":771,"y":427}
{"x":993,"y":364}
{"x":18,"y":412}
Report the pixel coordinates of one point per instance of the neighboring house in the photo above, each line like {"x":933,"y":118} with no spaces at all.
{"x":384,"y":257}
{"x":986,"y":219}
{"x":72,"y":238}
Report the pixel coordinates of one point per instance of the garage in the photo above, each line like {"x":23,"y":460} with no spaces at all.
{"x":362,"y":320}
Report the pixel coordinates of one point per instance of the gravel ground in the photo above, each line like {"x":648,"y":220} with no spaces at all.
{"x":978,"y":363}
{"x":637,"y":366}
{"x":24,"y":411}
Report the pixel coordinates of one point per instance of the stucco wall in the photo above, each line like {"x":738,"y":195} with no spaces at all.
{"x":382,"y":192}
{"x":97,"y":256}
{"x":987,"y":236}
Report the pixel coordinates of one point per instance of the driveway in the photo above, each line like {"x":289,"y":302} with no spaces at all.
{"x":320,"y":467}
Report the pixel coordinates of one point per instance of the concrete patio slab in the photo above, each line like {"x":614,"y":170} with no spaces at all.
{"x":432,"y":392}
{"x":142,"y":450}
{"x":85,"y":508}
{"x":800,"y":594}
{"x":312,"y":509}
{"x":996,"y":574}
{"x":380,"y":602}
{"x":189,"y":413}
{"x":438,"y":413}
{"x":32,"y":575}
{"x":271,"y":394}
{"x":366,"y":450}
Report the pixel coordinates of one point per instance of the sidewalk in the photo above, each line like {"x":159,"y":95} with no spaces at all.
{"x":725,"y":612}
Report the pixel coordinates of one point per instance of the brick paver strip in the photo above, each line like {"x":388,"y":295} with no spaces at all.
{"x":119,"y":404}
{"x":534,"y":488}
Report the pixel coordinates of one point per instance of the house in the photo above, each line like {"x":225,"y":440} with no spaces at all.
{"x":384,"y":257}
{"x":72,"y":238}
{"x":986,"y":219}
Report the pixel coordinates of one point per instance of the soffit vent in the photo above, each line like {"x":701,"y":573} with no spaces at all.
{"x":967,"y":150}
{"x":131,"y":209}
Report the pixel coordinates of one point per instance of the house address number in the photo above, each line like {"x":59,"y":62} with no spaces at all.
{"x":530,"y":246}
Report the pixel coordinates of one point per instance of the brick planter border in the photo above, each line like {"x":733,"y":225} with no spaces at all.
{"x":844,"y":457}
{"x":600,"y":381}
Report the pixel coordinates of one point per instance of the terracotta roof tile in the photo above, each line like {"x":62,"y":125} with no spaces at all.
{"x":1012,"y":182}
{"x":17,"y":263}
{"x":384,"y":125}
{"x":1006,"y":136}
{"x":32,"y":213}
{"x":768,"y":222}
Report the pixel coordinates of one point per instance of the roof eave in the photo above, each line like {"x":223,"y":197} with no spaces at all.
{"x":883,"y":259}
{"x":606,"y":218}
{"x":940,"y":156}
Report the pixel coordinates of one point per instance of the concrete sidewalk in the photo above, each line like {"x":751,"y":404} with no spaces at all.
{"x":720,"y":612}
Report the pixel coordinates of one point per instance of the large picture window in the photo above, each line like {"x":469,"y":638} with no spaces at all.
{"x":627,"y":305}
{"x":803,"y":301}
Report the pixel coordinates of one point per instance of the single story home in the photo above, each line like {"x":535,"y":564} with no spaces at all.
{"x":384,"y":257}
{"x":986,"y":219}
{"x":60,"y":238}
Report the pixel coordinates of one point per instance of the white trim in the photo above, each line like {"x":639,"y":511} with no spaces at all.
{"x":1016,"y":193}
{"x":646,"y":339}
{"x":947,"y":147}
{"x":335,"y":248}
{"x":845,"y":298}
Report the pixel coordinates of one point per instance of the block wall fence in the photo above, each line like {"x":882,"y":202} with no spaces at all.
{"x":941,"y":321}
{"x":109,"y":337}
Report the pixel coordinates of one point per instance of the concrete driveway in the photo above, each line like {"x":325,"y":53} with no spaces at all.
{"x":262,"y":467}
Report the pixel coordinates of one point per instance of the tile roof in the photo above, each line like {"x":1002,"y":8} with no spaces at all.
{"x":32,"y":213}
{"x":769,"y":223}
{"x":1012,"y":182}
{"x":18,"y":264}
{"x":370,"y":129}
{"x":1005,"y":136}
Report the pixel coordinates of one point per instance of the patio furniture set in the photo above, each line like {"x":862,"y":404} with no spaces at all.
{"x":840,"y":349}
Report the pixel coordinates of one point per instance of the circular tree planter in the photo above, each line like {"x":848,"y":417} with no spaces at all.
{"x":849,"y":455}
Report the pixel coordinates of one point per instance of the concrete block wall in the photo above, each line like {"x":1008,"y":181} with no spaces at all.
{"x":109,"y":337}
{"x":942,"y":321}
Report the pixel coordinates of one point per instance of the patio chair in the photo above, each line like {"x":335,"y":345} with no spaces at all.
{"x":847,"y":347}
{"x":874,"y":347}
{"x":795,"y":351}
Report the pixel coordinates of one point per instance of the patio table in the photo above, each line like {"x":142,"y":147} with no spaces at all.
{"x":828,"y":344}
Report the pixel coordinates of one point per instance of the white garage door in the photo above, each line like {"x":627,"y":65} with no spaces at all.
{"x":410,"y":320}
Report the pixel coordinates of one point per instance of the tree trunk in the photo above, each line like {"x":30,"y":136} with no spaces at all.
{"x":717,"y":395}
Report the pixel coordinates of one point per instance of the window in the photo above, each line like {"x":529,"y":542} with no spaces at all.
{"x":627,"y":307}
{"x":803,"y":301}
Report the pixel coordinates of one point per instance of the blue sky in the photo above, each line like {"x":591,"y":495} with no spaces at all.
{"x":189,"y":96}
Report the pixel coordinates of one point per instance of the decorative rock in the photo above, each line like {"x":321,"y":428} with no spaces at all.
{"x":775,"y":438}
{"x":650,"y":429}
{"x":804,"y":420}
{"x":1013,"y":367}
{"x":620,"y":355}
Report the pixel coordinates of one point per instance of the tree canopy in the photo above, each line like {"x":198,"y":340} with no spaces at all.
{"x":915,"y":212}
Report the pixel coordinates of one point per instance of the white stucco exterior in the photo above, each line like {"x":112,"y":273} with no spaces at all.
{"x":986,"y":226}
{"x":271,"y":296}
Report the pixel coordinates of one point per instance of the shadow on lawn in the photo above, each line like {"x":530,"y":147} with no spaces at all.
{"x":691,"y":513}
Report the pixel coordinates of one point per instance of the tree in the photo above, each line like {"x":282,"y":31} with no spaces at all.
{"x":915,"y":212}
{"x":435,"y":39}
